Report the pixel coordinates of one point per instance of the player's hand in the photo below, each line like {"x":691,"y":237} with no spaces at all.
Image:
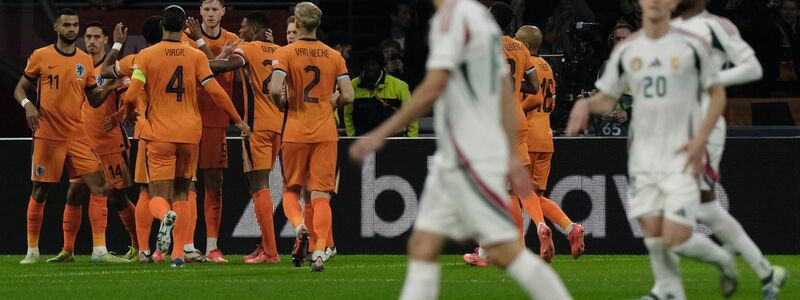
{"x":112,"y":84}
{"x":245,"y":129}
{"x":695,"y":153}
{"x":365,"y":145}
{"x":578,"y":118}
{"x":194,"y":31}
{"x":622,"y":117}
{"x":228,"y":49}
{"x":32,"y":116}
{"x":268,"y":36}
{"x":335,"y":98}
{"x":109,"y":123}
{"x":120,"y":33}
{"x":130,"y":118}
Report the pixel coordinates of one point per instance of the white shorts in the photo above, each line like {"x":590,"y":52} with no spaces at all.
{"x":673,"y":195}
{"x":714,"y":148}
{"x":466,"y":203}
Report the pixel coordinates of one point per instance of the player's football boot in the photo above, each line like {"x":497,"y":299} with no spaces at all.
{"x":63,"y":256}
{"x":144,"y":258}
{"x":177,"y":263}
{"x":165,"y":232}
{"x":263,"y":258}
{"x":729,"y":278}
{"x":318,"y":265}
{"x":158,"y":256}
{"x":546,"y":248}
{"x":772,"y":288}
{"x":300,"y":249}
{"x":30,"y":258}
{"x":330,"y":253}
{"x":576,"y":240}
{"x":473,"y":259}
{"x":650,"y":297}
{"x":107,"y":257}
{"x":216,"y":256}
{"x":258,"y":251}
{"x":193,"y":256}
{"x":132,"y":255}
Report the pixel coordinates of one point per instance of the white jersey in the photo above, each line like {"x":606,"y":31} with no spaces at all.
{"x":465,"y":40}
{"x":667,"y":77}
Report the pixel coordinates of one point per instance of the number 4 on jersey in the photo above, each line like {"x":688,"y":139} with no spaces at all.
{"x":175,"y":84}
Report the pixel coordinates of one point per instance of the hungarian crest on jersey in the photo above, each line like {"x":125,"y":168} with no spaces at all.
{"x":80,"y":70}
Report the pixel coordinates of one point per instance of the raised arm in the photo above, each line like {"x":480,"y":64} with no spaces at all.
{"x":231,"y":63}
{"x":221,"y":100}
{"x":110,"y":63}
{"x":196,"y":35}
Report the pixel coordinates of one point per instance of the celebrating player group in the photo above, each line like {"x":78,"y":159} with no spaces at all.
{"x":492,"y":95}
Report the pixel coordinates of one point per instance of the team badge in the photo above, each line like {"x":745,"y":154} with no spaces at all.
{"x":39,"y":170}
{"x":636,"y":64}
{"x":100,"y":80}
{"x":676,"y":62}
{"x":80,"y":70}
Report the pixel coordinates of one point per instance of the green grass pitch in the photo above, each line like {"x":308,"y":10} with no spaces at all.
{"x":354,"y":277}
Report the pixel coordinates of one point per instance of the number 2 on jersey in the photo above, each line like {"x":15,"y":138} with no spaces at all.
{"x":311,"y":85}
{"x":175,"y":84}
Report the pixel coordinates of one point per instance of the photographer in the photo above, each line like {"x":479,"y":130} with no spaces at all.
{"x":615,"y":123}
{"x":395,"y":63}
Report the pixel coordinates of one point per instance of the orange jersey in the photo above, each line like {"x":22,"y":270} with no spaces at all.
{"x":62,"y":79}
{"x":125,"y":68}
{"x":212,"y":115}
{"x":540,"y":135}
{"x":520,"y":64}
{"x":172,"y":71}
{"x":312,"y":70}
{"x":260,"y":112}
{"x":104,"y":142}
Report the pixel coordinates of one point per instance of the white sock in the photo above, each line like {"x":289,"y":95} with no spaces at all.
{"x":482,"y":253}
{"x":299,"y":227}
{"x":33,"y":251}
{"x":189,"y":247}
{"x":146,"y":252}
{"x":422,"y":280}
{"x":99,"y":250}
{"x":211,"y":244}
{"x":536,"y":277}
{"x":702,"y":248}
{"x":730,"y":232}
{"x":666,"y":270}
{"x":318,"y":253}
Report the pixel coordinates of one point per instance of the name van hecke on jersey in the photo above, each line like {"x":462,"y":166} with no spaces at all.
{"x":311,"y":52}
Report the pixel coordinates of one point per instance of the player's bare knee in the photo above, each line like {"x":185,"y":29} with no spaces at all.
{"x":119,"y":199}
{"x":77,"y":194}
{"x":212,"y":178}
{"x":423,"y":246}
{"x":39,"y":191}
{"x":319,"y":194}
{"x":675,"y":234}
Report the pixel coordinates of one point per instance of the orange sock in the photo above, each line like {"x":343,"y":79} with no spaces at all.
{"x":534,"y":208}
{"x":330,"y":234}
{"x":98,"y":218}
{"x":183,"y":223}
{"x":158,"y":207}
{"x":144,"y":220}
{"x":213,"y":212}
{"x":262,"y":200}
{"x":35,"y":214}
{"x":193,"y":217}
{"x":128,"y":217}
{"x":308,"y":219}
{"x":291,"y":208}
{"x":70,"y":225}
{"x":322,"y":221}
{"x":554,"y":213}
{"x":516,"y":215}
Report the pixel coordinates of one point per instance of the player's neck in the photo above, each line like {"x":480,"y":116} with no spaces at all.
{"x":171,"y":36}
{"x":301,"y":34}
{"x":211,"y":31}
{"x":693,"y":11}
{"x":64,"y":47}
{"x":655,"y":29}
{"x":98,"y":57}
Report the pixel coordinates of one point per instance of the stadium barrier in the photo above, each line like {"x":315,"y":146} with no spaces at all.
{"x":376,"y":204}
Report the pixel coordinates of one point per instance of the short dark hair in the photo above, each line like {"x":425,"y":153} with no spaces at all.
{"x":394,"y":7}
{"x":361,"y":58}
{"x":502,"y":13}
{"x":336,"y":38}
{"x":257,"y":18}
{"x":65,"y":12}
{"x":221,"y":2}
{"x":151,"y":29}
{"x":98,"y":24}
{"x":173,"y":18}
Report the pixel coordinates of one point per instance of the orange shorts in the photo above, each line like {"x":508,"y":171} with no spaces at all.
{"x":167,"y":161}
{"x":213,"y":149}
{"x":522,"y":148}
{"x":50,"y":157}
{"x":260,"y":150}
{"x":540,"y":168}
{"x":315,"y":162}
{"x":140,"y":171}
{"x":115,"y":169}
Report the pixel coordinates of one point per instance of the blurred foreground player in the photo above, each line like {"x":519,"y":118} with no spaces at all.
{"x":476,"y":121}
{"x":61,"y":72}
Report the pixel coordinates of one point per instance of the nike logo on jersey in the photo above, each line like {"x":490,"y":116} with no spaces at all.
{"x":50,"y":67}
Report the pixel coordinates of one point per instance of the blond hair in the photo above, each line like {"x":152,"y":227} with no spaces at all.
{"x":308,"y":16}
